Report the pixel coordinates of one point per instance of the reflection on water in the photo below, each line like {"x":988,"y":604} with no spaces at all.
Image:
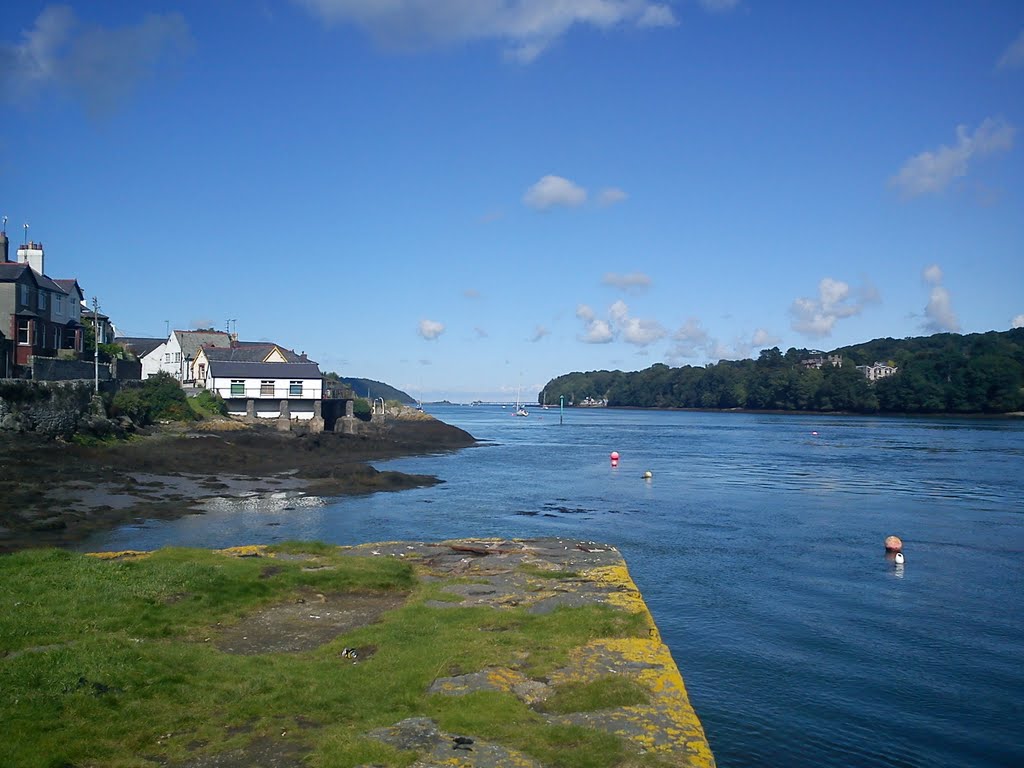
{"x":758,"y":548}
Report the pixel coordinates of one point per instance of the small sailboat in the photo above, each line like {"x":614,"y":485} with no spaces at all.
{"x":520,"y":410}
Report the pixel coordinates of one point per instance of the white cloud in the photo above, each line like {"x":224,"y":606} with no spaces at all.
{"x":932,"y":172}
{"x":611,"y":196}
{"x":471,"y":293}
{"x":938,"y":312}
{"x":932,"y":274}
{"x":763,"y":338}
{"x":525,"y":27}
{"x":553,"y":191}
{"x":539,"y":333}
{"x":1013,"y":56}
{"x":596,"y":330}
{"x":430,"y":329}
{"x":815,"y":317}
{"x":634,"y":282}
{"x":619,"y":324}
{"x":97,"y":65}
{"x":1017,"y":321}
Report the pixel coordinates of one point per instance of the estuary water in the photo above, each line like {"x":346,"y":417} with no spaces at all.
{"x":758,"y":546}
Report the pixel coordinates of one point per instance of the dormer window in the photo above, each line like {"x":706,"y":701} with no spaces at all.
{"x":42,"y":299}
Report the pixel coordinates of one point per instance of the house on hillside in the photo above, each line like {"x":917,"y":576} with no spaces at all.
{"x":819,"y":360}
{"x":39,"y":316}
{"x":877,"y":371}
{"x":176,"y":355}
{"x":265,"y":389}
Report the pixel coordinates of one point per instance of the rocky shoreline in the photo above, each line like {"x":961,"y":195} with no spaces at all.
{"x":55,"y":493}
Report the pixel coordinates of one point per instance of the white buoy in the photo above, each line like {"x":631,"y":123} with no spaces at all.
{"x":899,"y":558}
{"x":648,"y":475}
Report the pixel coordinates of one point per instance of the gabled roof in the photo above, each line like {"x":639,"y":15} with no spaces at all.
{"x":139,"y":345}
{"x":69,"y":284}
{"x":192,"y":341}
{"x":237,"y":370}
{"x":250,"y":352}
{"x":10,"y":271}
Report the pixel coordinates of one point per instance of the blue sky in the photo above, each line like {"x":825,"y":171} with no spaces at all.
{"x":466,"y":197}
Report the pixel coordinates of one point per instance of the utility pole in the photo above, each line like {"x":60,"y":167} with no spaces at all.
{"x":96,"y":340}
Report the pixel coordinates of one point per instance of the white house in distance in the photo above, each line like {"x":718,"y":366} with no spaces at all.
{"x":242,"y":352}
{"x":176,"y":355}
{"x":877,"y":371}
{"x":266,"y":390}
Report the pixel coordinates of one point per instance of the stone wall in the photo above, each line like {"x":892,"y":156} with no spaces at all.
{"x":55,"y":369}
{"x":50,"y":408}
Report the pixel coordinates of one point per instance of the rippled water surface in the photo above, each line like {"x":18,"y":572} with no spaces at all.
{"x":758,"y":547}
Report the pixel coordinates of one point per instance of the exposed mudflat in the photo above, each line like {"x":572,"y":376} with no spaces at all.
{"x":55,"y":493}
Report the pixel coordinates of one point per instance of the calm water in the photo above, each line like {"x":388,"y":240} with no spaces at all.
{"x":758,"y":547}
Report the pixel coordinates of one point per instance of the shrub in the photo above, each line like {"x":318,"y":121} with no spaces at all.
{"x":129,"y":402}
{"x":361,"y":409}
{"x":209,"y":403}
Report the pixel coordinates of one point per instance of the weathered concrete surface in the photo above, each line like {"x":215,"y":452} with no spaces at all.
{"x":536,"y":575}
{"x":502,"y":574}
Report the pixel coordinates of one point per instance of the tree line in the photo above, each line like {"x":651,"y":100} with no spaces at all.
{"x":943,"y":373}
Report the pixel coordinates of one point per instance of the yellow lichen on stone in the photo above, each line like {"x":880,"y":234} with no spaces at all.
{"x":124,"y":554}
{"x":248,"y":550}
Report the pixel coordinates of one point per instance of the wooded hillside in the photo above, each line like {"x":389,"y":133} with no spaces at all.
{"x":944,"y":373}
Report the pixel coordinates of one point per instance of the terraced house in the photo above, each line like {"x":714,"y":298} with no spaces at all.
{"x":38,"y":315}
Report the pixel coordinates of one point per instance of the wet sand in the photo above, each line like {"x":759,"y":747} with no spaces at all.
{"x":56,"y":493}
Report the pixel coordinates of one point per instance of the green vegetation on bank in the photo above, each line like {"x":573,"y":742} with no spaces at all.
{"x":368,"y":388}
{"x":116,"y":662}
{"x":944,"y":373}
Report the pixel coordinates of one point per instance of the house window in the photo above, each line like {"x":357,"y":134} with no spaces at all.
{"x":42,"y":299}
{"x":58,"y":304}
{"x":266,"y":389}
{"x":295,"y":389}
{"x":177,"y":357}
{"x":202,"y":371}
{"x":24,"y":295}
{"x":24,"y":335}
{"x":56,"y":337}
{"x":237,"y":388}
{"x":167,"y":357}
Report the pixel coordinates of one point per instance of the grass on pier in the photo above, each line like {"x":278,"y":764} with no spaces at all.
{"x":115,"y":663}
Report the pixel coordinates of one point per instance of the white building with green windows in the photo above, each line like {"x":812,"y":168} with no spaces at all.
{"x":266,"y":390}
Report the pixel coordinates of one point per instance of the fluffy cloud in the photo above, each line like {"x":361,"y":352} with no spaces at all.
{"x":610,"y":196}
{"x":836,"y":300}
{"x":763,"y":338}
{"x":938,"y":312}
{"x":596,"y":330}
{"x":526,"y":27}
{"x":1017,"y":322}
{"x":552,"y":191}
{"x":100,"y":66}
{"x":539,"y":333}
{"x":634,"y":282}
{"x":692,"y":341}
{"x":932,"y":172}
{"x":619,"y":324}
{"x":1013,"y":56}
{"x":430,"y":329}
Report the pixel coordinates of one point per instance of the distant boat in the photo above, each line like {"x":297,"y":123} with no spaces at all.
{"x":520,"y":410}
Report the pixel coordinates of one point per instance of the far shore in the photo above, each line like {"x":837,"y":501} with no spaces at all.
{"x":780,"y":412}
{"x":57,"y":493}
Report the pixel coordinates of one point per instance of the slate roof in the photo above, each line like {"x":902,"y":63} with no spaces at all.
{"x":250,"y":352}
{"x":241,"y":370}
{"x":68,"y":284}
{"x":139,"y":345}
{"x":192,"y":341}
{"x":10,"y":271}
